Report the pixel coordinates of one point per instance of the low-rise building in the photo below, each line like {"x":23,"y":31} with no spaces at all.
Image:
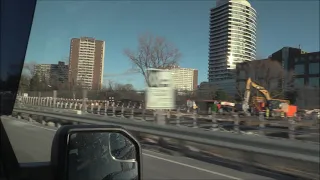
{"x":52,"y":73}
{"x":306,"y":70}
{"x":307,"y":79}
{"x":286,"y":57}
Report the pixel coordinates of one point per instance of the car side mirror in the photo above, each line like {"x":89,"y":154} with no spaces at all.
{"x":95,"y":152}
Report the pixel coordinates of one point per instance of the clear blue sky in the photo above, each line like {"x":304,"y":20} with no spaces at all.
{"x":183,"y":23}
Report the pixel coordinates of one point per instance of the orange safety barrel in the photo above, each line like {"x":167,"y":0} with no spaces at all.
{"x":291,"y":111}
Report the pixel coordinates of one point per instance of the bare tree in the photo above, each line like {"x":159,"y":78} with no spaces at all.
{"x":29,"y":68}
{"x":110,"y":86}
{"x":206,"y":91}
{"x":113,"y":86}
{"x":153,"y":52}
{"x":124,"y":87}
{"x":240,"y":93}
{"x":271,"y":75}
{"x":120,"y":91}
{"x":28,"y":72}
{"x":24,"y":83}
{"x":65,"y":60}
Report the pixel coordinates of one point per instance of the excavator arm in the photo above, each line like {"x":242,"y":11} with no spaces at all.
{"x":262,"y":90}
{"x":245,"y":104}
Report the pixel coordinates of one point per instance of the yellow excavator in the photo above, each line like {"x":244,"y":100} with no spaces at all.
{"x":276,"y":106}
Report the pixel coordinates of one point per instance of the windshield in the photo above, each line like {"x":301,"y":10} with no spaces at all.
{"x":172,"y":64}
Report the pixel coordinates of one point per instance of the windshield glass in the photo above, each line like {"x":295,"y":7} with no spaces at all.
{"x":173,"y":64}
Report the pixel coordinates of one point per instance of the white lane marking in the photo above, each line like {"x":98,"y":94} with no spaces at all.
{"x":193,"y":167}
{"x":163,"y":159}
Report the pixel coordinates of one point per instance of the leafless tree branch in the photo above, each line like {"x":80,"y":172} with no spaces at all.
{"x":29,"y":68}
{"x":240,"y":93}
{"x":270,"y":74}
{"x":153,"y":52}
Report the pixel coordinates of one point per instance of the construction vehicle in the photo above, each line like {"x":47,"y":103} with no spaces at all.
{"x":275,"y":107}
{"x":258,"y":104}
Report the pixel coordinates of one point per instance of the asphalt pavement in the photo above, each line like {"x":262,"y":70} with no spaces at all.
{"x":32,"y":143}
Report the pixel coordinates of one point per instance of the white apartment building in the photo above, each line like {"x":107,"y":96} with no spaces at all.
{"x":233,"y":25}
{"x":184,"y":79}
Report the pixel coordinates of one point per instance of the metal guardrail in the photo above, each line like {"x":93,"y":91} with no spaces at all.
{"x":307,"y":130}
{"x":301,"y":158}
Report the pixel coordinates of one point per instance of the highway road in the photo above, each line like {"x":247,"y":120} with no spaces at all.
{"x":32,"y":143}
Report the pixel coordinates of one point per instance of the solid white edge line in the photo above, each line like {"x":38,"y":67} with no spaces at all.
{"x":193,"y":167}
{"x":160,"y":158}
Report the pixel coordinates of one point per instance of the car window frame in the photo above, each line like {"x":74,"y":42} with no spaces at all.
{"x":16,"y":22}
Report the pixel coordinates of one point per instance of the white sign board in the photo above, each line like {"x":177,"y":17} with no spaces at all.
{"x":160,"y":93}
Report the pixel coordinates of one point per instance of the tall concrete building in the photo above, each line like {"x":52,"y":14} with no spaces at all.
{"x":184,"y":79}
{"x":86,"y":62}
{"x":232,"y":38}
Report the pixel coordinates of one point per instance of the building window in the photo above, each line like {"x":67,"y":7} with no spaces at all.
{"x":299,"y":69}
{"x":314,"y":81}
{"x":314,"y":68}
{"x":299,"y":82}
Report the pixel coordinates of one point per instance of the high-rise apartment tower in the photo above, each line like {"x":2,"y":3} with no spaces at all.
{"x":232,"y":37}
{"x":86,"y":62}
